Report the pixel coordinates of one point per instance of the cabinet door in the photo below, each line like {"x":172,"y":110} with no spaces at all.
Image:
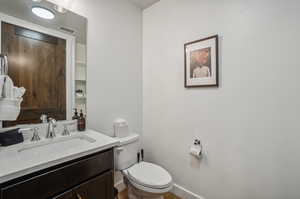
{"x":100,"y":187}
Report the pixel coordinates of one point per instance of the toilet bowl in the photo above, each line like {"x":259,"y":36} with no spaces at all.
{"x":147,"y":180}
{"x":144,"y":180}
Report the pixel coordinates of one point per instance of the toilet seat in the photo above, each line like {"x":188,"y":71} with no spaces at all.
{"x":147,"y":176}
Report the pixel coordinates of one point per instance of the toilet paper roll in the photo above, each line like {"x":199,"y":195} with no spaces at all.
{"x":196,"y":151}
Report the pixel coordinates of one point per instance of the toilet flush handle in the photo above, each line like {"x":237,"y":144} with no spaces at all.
{"x":142,"y":154}
{"x":138,"y":157}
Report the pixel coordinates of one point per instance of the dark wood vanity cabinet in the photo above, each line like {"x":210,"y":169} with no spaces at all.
{"x":90,"y":177}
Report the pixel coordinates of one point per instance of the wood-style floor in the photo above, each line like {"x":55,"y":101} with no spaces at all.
{"x":123,"y":195}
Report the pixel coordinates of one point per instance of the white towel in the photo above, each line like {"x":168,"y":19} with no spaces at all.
{"x":10,"y":109}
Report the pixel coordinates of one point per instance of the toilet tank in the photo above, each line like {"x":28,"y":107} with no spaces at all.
{"x":126,"y":152}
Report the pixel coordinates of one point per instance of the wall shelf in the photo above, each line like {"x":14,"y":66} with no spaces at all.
{"x":80,"y":76}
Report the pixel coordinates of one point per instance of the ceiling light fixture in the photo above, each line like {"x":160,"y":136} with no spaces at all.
{"x":43,"y":12}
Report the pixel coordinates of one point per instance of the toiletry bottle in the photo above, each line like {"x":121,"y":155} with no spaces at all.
{"x":81,"y":122}
{"x":75,"y":116}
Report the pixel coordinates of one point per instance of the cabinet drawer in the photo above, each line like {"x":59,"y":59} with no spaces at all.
{"x":60,"y":179}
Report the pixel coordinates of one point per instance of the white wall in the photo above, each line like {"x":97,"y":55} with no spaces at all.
{"x":250,"y":124}
{"x":114,"y":73}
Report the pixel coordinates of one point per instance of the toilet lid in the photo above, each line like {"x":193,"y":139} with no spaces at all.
{"x":150,"y":175}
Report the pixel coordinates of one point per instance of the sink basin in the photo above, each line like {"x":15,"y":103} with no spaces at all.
{"x":57,"y":144}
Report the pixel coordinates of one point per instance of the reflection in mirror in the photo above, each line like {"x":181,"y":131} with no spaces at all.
{"x":45,"y":45}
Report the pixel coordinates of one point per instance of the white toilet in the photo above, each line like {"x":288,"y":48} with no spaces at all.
{"x":144,"y":180}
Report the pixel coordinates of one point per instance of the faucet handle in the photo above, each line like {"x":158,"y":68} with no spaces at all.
{"x":66,"y":130}
{"x":35,"y":136}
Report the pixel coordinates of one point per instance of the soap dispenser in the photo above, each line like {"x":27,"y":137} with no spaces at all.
{"x":81,"y":122}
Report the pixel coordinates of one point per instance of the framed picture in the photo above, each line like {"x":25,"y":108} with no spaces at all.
{"x":201,"y":63}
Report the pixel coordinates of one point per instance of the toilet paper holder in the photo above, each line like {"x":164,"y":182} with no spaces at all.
{"x":197,"y":142}
{"x":196,"y":149}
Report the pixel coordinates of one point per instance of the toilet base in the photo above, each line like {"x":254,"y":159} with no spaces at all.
{"x":134,"y":193}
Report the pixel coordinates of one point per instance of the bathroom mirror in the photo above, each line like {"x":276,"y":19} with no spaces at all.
{"x":46,"y":48}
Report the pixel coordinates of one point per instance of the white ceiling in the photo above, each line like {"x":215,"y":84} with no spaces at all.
{"x":144,"y":3}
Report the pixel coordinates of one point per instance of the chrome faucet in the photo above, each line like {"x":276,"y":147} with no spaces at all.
{"x":51,"y":128}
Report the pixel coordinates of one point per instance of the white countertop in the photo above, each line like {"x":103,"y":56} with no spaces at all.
{"x":16,"y":162}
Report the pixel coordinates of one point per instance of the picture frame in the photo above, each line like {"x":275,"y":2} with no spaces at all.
{"x":201,"y":62}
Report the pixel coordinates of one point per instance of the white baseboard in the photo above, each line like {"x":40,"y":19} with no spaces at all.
{"x":120,"y":185}
{"x":177,"y":190}
{"x":184,"y":193}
